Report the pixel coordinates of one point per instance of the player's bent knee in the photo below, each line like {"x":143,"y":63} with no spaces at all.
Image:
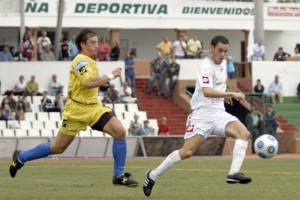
{"x":57,"y":150}
{"x":120,"y":134}
{"x":186,"y":153}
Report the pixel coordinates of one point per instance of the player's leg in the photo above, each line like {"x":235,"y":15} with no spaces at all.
{"x":43,"y":150}
{"x":237,"y":130}
{"x":188,"y":149}
{"x":113,"y":127}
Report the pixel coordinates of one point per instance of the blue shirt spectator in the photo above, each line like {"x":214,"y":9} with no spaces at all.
{"x":230,"y":68}
{"x":73,"y":50}
{"x":5,"y":55}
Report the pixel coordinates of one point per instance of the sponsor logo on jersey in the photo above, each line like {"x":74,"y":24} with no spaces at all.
{"x":80,"y":65}
{"x":190,"y":128}
{"x":205,"y":79}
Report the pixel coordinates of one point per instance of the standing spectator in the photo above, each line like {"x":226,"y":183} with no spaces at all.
{"x":158,"y":67}
{"x":165,"y":48}
{"x":130,"y":73}
{"x":125,"y":93}
{"x":259,"y":88}
{"x":111,"y":95}
{"x":230,"y":68}
{"x":20,"y":86}
{"x":5,"y":55}
{"x":179,"y":47}
{"x":28,"y":46}
{"x":253,"y":123}
{"x":64,"y":49}
{"x":271,"y":123}
{"x":73,"y":49}
{"x":103,"y":49}
{"x":20,"y":55}
{"x":43,"y":41}
{"x":258,"y":51}
{"x":163,"y":127}
{"x":32,"y":87}
{"x":47,"y":54}
{"x":172,"y":76}
{"x":115,"y":52}
{"x":194,"y":47}
{"x":280,"y":55}
{"x":186,"y":40}
{"x":276,"y":90}
{"x":56,"y":87}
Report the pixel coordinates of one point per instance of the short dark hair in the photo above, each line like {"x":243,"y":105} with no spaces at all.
{"x":219,"y":39}
{"x":83,"y":36}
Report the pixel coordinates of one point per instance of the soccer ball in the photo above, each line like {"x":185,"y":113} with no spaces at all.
{"x":266,"y":146}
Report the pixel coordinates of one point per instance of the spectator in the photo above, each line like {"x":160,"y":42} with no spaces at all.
{"x":259,"y":88}
{"x":25,"y":102}
{"x":9,"y":115}
{"x":111,"y":95}
{"x":20,"y":86}
{"x":186,"y":40}
{"x":32,"y":87}
{"x":4,"y":43}
{"x":253,"y":123}
{"x":148,"y":130}
{"x":46,"y":103}
{"x":158,"y":68}
{"x":297,"y":52}
{"x":47,"y":54}
{"x":194,"y":47}
{"x":11,"y":102}
{"x":276,"y":90}
{"x":230,"y":68}
{"x":271,"y":122}
{"x":130,"y":73}
{"x":179,"y":47}
{"x":12,"y":50}
{"x":103,"y":49}
{"x":280,"y":55}
{"x":5,"y":55}
{"x":73,"y":49}
{"x":258,"y":51}
{"x":163,"y":128}
{"x":55,"y":86}
{"x":172,"y":76}
{"x":2,"y":115}
{"x":59,"y":102}
{"x":21,"y":109}
{"x":135,"y":127}
{"x":28,"y":46}
{"x":115,"y":52}
{"x":64,"y":50}
{"x":43,"y":41}
{"x":125,"y":93}
{"x":165,"y":48}
{"x":20,"y":55}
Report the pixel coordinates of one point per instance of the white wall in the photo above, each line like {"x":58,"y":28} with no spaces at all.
{"x":10,"y":72}
{"x":289,"y":75}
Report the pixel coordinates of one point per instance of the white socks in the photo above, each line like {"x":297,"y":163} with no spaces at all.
{"x":238,"y":155}
{"x":168,"y":163}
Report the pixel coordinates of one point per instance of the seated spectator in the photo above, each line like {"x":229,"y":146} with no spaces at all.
{"x":47,"y":105}
{"x":12,"y":102}
{"x":125,"y":93}
{"x":115,"y":52}
{"x":148,"y":130}
{"x":276,"y":90}
{"x":47,"y":54}
{"x":2,"y":115}
{"x":21,"y":109}
{"x":20,"y":87}
{"x":9,"y":115}
{"x":297,"y":52}
{"x":163,"y":127}
{"x":158,"y":68}
{"x":259,"y":88}
{"x":5,"y":55}
{"x":135,"y":127}
{"x":172,"y":76}
{"x":111,"y":95}
{"x":55,"y":86}
{"x":59,"y":102}
{"x":25,"y":102}
{"x":280,"y":55}
{"x":32,"y":87}
{"x":20,"y":55}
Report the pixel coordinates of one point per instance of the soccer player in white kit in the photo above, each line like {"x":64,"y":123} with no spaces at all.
{"x":209,"y":116}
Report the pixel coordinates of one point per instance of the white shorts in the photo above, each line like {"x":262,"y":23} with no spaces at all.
{"x":205,"y":121}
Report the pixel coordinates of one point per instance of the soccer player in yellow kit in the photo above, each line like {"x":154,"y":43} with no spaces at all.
{"x":83,"y":109}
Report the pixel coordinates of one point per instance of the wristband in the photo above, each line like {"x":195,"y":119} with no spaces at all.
{"x":111,"y":77}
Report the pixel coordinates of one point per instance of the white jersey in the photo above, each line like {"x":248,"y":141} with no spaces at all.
{"x":213,"y":76}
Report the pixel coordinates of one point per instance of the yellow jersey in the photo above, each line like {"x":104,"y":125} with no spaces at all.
{"x":82,"y":70}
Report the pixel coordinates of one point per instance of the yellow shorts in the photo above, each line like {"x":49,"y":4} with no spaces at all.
{"x":77,"y":117}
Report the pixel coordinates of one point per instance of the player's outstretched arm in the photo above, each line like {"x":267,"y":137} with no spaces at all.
{"x":98,"y":81}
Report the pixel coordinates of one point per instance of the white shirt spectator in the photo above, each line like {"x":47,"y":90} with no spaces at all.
{"x":179,"y":48}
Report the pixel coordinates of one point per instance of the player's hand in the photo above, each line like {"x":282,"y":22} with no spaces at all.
{"x":117,"y":72}
{"x":239,"y":96}
{"x":228,"y":100}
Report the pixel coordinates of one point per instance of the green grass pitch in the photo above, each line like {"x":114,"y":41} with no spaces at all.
{"x":197,"y":178}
